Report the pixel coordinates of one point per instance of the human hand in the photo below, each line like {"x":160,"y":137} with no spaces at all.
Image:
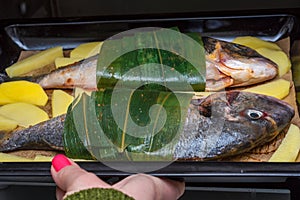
{"x":70,"y":178}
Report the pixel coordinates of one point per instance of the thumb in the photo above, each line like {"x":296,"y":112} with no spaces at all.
{"x":70,"y":178}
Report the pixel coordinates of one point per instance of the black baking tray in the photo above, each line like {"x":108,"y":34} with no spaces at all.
{"x":38,"y":34}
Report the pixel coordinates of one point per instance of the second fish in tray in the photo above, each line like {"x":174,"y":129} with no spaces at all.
{"x":227,"y":65}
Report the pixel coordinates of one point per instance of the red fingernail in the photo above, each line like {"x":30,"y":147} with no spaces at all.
{"x":60,"y":161}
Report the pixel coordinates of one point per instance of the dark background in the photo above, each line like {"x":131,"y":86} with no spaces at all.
{"x":79,"y":8}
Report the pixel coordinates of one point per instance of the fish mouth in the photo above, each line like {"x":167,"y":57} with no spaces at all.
{"x":279,"y":112}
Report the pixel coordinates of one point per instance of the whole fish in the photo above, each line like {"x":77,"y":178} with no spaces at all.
{"x":227,"y":65}
{"x":220,"y":125}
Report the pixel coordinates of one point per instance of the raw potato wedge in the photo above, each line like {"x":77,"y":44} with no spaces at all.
{"x":35,"y":61}
{"x":23,"y":91}
{"x":7,"y":124}
{"x":61,"y":62}
{"x":5,"y":157}
{"x":255,"y":43}
{"x":4,"y":99}
{"x":278,"y":57}
{"x":41,"y":158}
{"x":279,"y":88}
{"x":79,"y":91}
{"x":25,"y":114}
{"x":289,"y":147}
{"x":86,"y":50}
{"x":60,"y":102}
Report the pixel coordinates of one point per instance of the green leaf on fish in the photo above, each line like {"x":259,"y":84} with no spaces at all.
{"x":137,"y":112}
{"x":125,"y":124}
{"x":74,"y":144}
{"x":165,"y":57}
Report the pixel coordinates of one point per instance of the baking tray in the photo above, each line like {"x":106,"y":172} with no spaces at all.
{"x":19,"y":35}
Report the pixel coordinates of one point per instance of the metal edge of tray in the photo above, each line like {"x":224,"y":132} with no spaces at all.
{"x":189,"y":171}
{"x":10,"y":49}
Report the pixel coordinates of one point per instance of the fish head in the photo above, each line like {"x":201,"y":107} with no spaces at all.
{"x":252,"y":110}
{"x":240,"y":121}
{"x":242,"y":64}
{"x":262,"y":108}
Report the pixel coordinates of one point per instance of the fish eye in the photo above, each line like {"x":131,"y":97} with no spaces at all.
{"x":254,"y":114}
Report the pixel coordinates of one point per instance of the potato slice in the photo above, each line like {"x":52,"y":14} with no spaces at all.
{"x":7,"y":124}
{"x":255,"y":43}
{"x":4,"y":99}
{"x":35,"y":61}
{"x":278,"y":57}
{"x":41,"y":158}
{"x":86,"y":50}
{"x":5,"y":157}
{"x":79,"y":91}
{"x":289,"y":147}
{"x":279,"y":88}
{"x":23,"y":91}
{"x":60,"y":102}
{"x":61,"y":62}
{"x":23,"y":113}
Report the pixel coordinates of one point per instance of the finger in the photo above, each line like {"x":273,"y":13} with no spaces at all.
{"x":72,"y":178}
{"x":142,"y":186}
{"x":59,"y":193}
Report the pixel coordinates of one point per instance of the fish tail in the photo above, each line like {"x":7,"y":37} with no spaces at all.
{"x":46,"y":135}
{"x":4,"y":78}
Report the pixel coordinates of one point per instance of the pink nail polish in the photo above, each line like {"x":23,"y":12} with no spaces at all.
{"x":60,"y":161}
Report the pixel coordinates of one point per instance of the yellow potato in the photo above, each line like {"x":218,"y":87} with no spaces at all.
{"x":86,"y":50}
{"x":289,"y":147}
{"x":23,"y":113}
{"x":35,"y":61}
{"x":278,"y":57}
{"x":63,"y":61}
{"x":7,"y":124}
{"x":4,"y":99}
{"x":255,"y":43}
{"x":5,"y":157}
{"x":60,"y":102}
{"x":23,"y":91}
{"x":79,"y":91}
{"x":279,"y":88}
{"x":41,"y":158}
